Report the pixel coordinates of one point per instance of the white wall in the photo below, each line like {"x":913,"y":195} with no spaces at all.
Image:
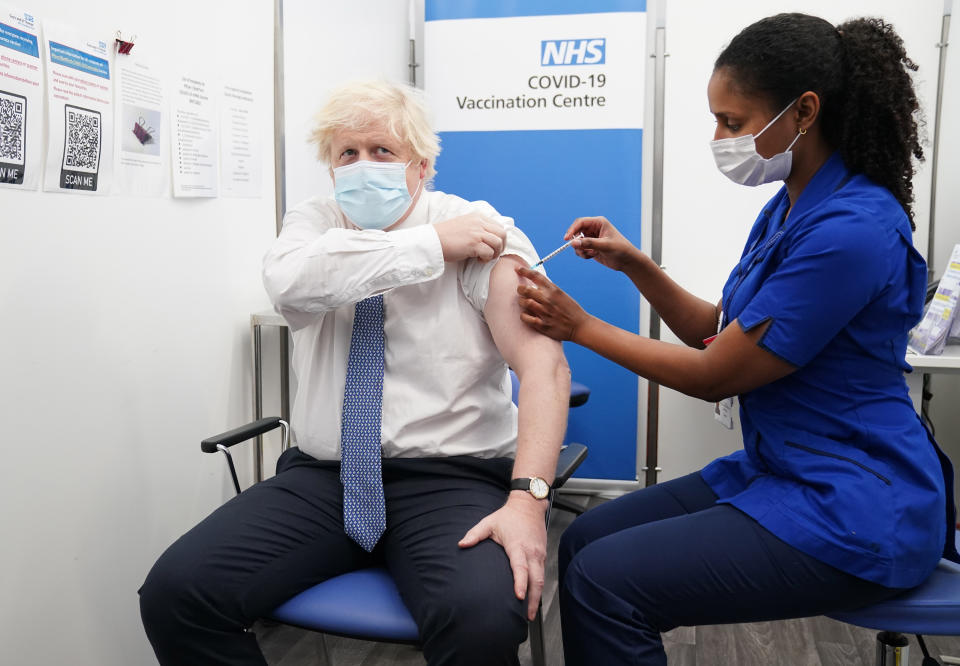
{"x":327,"y":44}
{"x":124,"y":342}
{"x":706,"y":217}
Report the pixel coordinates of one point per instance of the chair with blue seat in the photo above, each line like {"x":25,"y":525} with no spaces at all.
{"x":933,"y":608}
{"x":365,"y":604}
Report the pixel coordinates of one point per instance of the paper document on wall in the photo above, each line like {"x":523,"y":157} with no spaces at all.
{"x":194,"y":142}
{"x":941,"y":320}
{"x":240,"y":150}
{"x":143,"y":131}
{"x":80,"y":113}
{"x":21,"y":100}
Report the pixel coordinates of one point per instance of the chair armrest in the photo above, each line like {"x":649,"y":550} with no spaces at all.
{"x":579,"y":394}
{"x":241,"y":434}
{"x":570,"y":458}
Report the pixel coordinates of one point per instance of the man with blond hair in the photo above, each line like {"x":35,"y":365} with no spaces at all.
{"x":410,"y":454}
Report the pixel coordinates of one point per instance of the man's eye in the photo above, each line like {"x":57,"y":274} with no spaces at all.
{"x":383,"y":151}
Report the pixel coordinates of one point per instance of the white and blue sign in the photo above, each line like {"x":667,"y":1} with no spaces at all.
{"x":18,"y":40}
{"x":77,"y":59}
{"x":539,"y":104}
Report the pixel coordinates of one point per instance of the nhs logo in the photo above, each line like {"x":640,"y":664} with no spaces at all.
{"x":573,"y":52}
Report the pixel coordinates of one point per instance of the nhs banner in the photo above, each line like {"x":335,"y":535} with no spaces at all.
{"x":524,"y":69}
{"x":539,"y":104}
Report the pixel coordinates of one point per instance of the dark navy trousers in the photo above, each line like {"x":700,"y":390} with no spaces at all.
{"x":669,"y":556}
{"x":286,"y":534}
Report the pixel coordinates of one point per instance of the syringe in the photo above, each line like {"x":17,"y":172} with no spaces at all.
{"x":558,"y":250}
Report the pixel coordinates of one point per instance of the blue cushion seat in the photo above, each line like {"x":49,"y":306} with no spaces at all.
{"x":362,"y":604}
{"x":931,"y":608}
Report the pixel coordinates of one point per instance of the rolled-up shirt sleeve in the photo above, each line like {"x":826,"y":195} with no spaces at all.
{"x":475,"y":275}
{"x":314,"y":267}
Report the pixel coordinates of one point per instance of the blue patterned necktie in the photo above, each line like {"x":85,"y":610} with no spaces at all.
{"x":364,"y":514}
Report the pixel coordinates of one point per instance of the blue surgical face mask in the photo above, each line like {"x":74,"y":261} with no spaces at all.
{"x":373,"y":195}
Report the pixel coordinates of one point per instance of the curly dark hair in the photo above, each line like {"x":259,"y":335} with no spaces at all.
{"x":862,"y":74}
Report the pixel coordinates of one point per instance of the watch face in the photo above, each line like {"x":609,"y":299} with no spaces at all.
{"x":539,"y":487}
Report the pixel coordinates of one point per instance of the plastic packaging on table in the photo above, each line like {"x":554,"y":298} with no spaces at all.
{"x":941,"y":321}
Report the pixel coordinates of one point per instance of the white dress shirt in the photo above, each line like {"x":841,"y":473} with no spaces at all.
{"x":446,"y":390}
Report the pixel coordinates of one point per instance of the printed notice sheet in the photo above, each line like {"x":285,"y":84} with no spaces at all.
{"x":240,"y":151}
{"x":194,"y":142}
{"x":142,"y":132}
{"x":80,"y":113}
{"x":21,"y":100}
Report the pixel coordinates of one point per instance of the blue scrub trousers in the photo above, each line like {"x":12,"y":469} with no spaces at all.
{"x":669,"y":556}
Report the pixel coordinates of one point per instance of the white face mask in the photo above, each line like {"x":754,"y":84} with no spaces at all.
{"x":738,"y":159}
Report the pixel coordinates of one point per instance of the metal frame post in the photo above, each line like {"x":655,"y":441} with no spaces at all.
{"x":257,"y":401}
{"x":650,"y":467}
{"x":280,"y":197}
{"x":942,"y":45}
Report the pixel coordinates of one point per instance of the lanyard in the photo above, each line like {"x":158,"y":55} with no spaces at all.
{"x":753,"y":258}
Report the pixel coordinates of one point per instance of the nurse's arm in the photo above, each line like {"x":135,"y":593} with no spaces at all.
{"x":691,"y":318}
{"x":734,"y":363}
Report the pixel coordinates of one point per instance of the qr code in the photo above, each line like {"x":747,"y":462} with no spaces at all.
{"x":13,"y":109}
{"x":82,"y":140}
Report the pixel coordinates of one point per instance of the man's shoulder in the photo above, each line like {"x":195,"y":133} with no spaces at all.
{"x":444,"y":201}
{"x":444,"y":206}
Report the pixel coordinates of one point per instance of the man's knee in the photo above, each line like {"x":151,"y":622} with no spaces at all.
{"x":161,"y":596}
{"x":474,"y":628}
{"x":173,"y":596}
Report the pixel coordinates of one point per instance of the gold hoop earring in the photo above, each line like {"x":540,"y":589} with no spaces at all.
{"x":802,"y":131}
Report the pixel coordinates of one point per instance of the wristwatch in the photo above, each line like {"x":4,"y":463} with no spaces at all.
{"x":533,"y":485}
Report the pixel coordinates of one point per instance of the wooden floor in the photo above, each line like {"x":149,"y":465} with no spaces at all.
{"x":816,"y":641}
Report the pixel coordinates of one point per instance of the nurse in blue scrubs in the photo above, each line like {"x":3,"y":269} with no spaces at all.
{"x":839,"y":497}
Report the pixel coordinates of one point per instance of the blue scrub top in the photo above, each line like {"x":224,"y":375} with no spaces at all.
{"x":836,"y":461}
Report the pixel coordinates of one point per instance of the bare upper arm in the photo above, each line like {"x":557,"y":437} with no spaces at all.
{"x":518,"y":343}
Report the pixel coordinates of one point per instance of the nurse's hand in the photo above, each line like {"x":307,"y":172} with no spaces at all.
{"x":471,"y":236}
{"x":602,"y":241}
{"x":548,"y":309}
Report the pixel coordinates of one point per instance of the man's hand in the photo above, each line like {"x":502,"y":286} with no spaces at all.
{"x":469,"y":236}
{"x":519,"y":527}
